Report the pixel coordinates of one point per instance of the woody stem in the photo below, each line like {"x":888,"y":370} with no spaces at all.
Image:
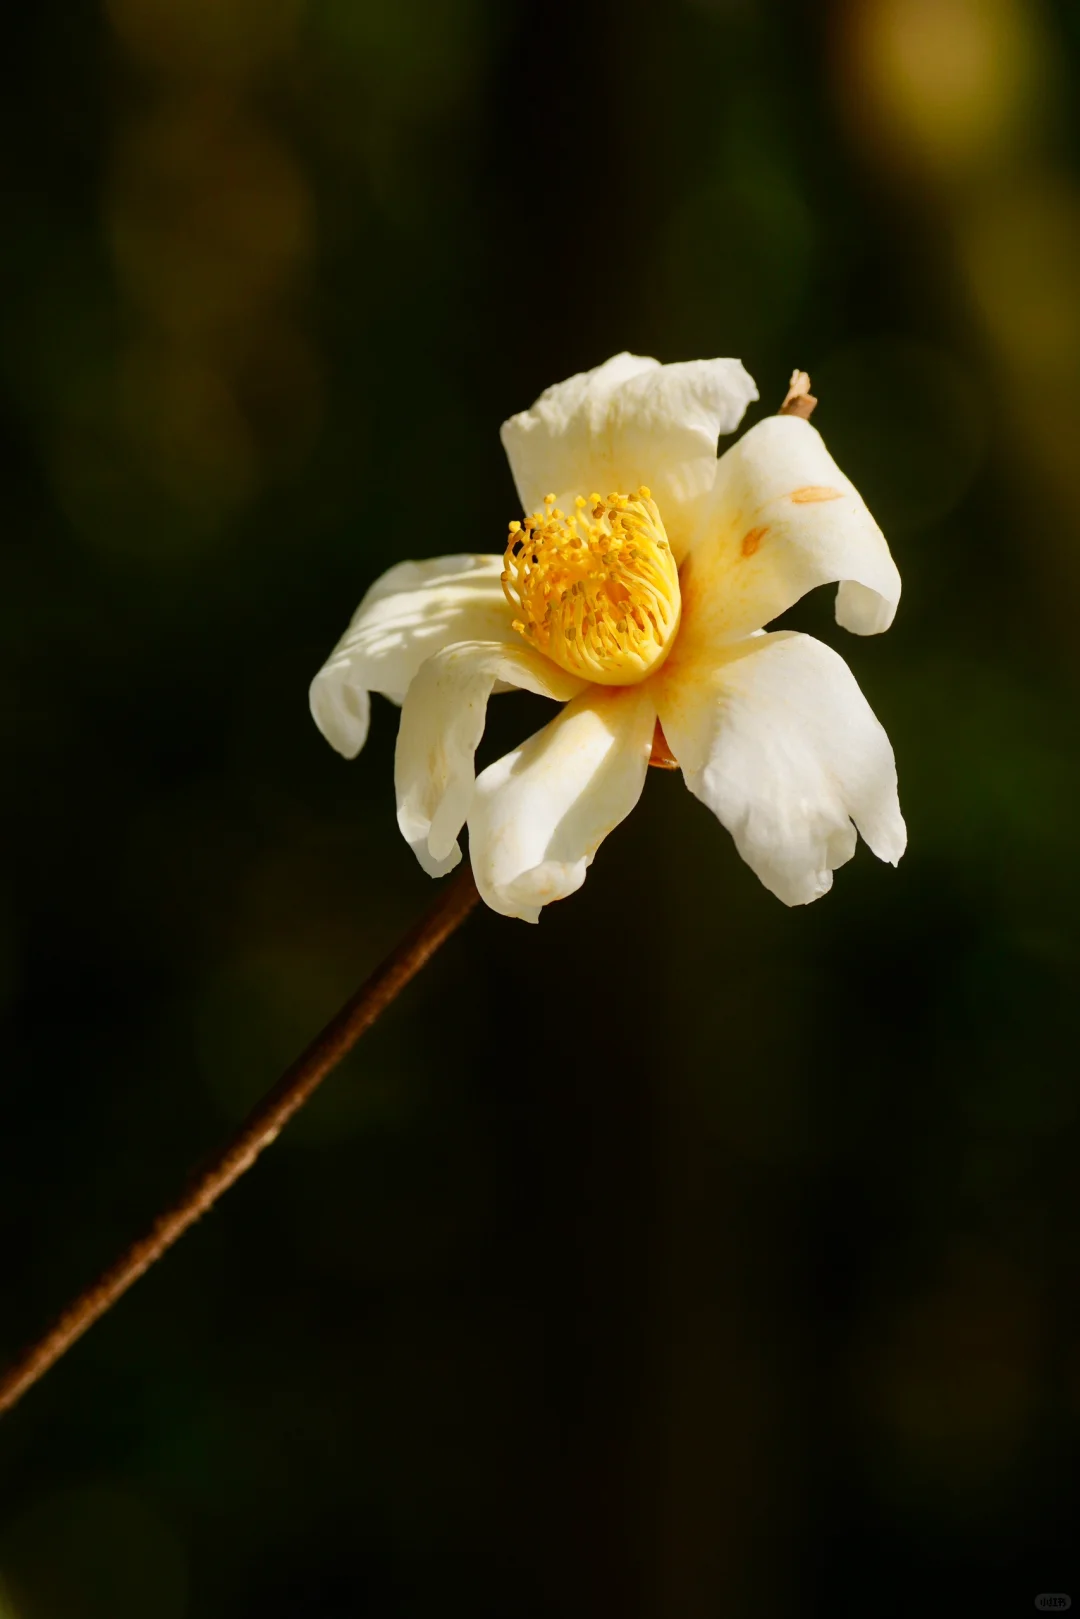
{"x":258,"y":1130}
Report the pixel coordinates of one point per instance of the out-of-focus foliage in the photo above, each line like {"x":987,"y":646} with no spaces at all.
{"x":685,"y":1256}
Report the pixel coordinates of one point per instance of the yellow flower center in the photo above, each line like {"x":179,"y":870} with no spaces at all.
{"x":597,"y":590}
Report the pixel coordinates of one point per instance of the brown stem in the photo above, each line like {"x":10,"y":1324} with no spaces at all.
{"x":258,"y":1130}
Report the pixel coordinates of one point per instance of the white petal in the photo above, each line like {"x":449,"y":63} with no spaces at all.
{"x":412,"y":611}
{"x":782,"y":519}
{"x":540,"y":813}
{"x":442,"y":722}
{"x":774,"y":735}
{"x":630,"y":422}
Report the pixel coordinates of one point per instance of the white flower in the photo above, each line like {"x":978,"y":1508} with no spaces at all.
{"x":635,"y":593}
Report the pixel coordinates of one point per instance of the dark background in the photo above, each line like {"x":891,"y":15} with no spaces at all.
{"x":685,"y":1255}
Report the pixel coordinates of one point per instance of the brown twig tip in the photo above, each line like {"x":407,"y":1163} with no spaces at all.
{"x":259,"y":1129}
{"x":800,"y":401}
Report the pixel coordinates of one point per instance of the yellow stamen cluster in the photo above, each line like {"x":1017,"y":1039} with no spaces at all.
{"x":596,"y":590}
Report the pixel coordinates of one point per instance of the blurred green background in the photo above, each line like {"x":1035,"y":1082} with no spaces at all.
{"x":684,"y":1256}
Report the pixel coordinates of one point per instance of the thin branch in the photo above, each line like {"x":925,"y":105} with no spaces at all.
{"x":258,"y":1130}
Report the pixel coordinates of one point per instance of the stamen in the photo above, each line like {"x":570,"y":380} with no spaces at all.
{"x":603,"y":604}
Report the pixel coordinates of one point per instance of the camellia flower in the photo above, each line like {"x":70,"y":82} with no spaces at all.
{"x":634,"y":591}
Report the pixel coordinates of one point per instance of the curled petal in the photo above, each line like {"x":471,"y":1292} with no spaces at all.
{"x":629,"y":422}
{"x":442,"y":721}
{"x":781,"y":519}
{"x":411,"y":612}
{"x":540,"y":813}
{"x":774,"y":735}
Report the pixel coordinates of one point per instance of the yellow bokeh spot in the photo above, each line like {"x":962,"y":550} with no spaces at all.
{"x":946,"y":83}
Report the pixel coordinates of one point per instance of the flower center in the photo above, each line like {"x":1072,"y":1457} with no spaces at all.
{"x":598,"y":589}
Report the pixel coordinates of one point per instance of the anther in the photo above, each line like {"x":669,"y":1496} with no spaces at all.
{"x":600,"y":599}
